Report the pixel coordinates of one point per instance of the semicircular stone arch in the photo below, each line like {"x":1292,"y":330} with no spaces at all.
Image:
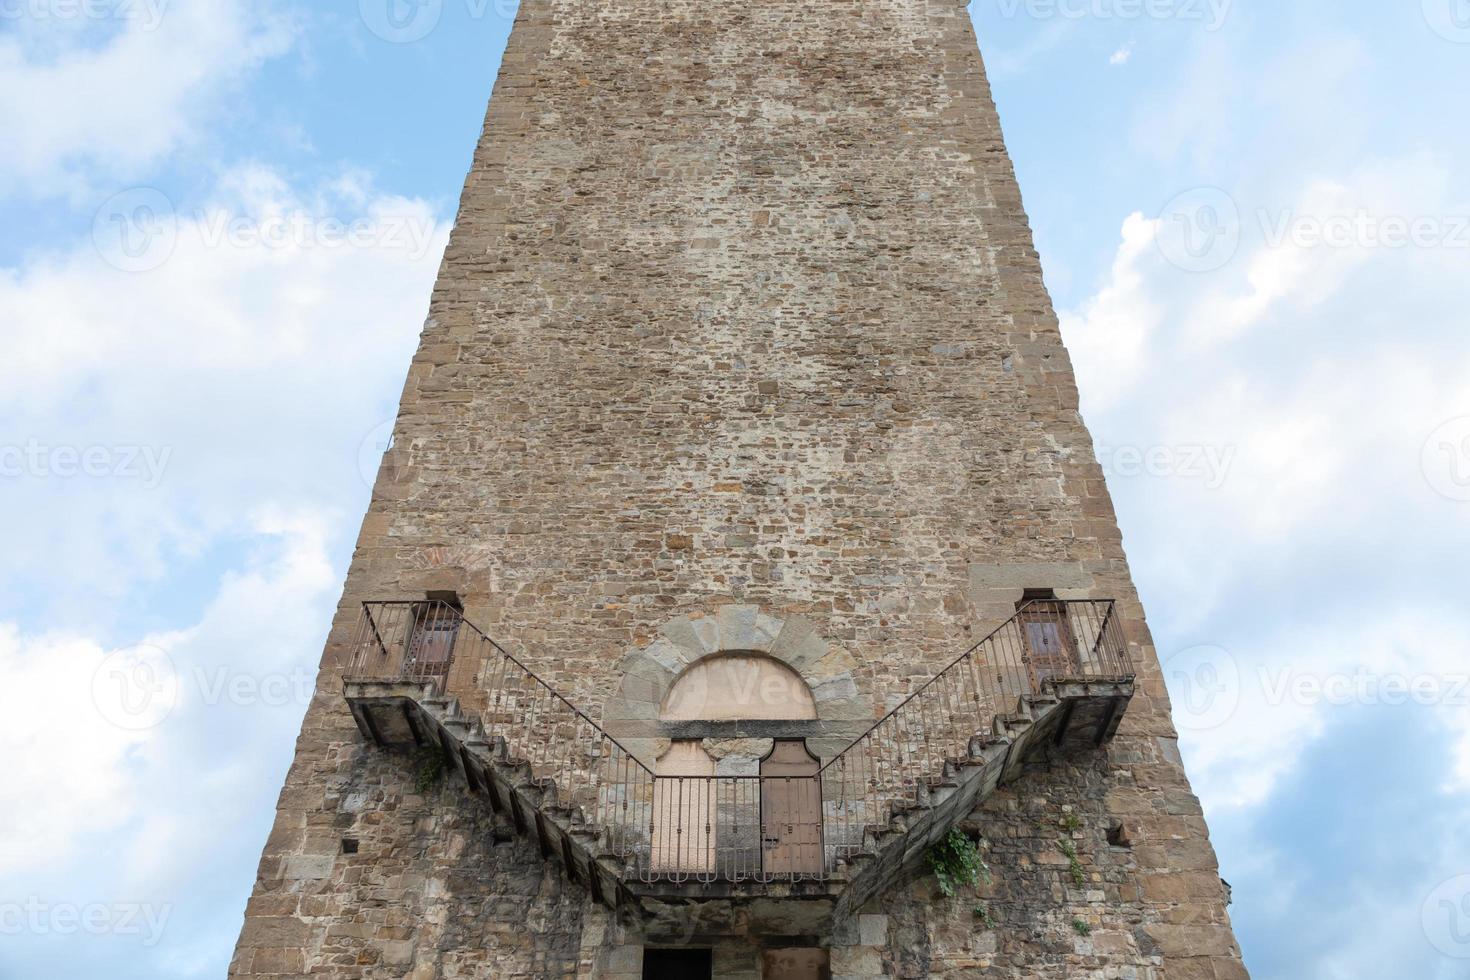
{"x":648,"y":674}
{"x":738,"y":686}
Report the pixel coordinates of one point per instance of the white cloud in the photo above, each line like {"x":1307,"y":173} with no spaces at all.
{"x":1296,"y":360}
{"x":1111,"y":332}
{"x":216,"y":362}
{"x":1120,"y":56}
{"x":1288,"y":686}
{"x":87,"y":754}
{"x":81,"y":98}
{"x":66,"y":765}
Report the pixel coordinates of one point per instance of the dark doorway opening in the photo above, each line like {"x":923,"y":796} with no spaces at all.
{"x":678,"y":964}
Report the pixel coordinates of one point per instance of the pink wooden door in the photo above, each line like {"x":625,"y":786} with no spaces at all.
{"x":791,"y":811}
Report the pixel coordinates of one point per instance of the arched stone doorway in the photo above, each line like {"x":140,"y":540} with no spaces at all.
{"x":765,"y":823}
{"x":723,"y":708}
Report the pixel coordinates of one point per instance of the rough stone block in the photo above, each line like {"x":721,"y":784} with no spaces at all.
{"x":873,"y":930}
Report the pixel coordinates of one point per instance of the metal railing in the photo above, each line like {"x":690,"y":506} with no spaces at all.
{"x":410,"y":641}
{"x":920,"y":742}
{"x":736,"y":828}
{"x":590,"y":772}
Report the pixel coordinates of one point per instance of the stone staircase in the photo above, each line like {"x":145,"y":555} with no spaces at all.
{"x":573,"y":790}
{"x":412,"y":715}
{"x":1070,"y":714}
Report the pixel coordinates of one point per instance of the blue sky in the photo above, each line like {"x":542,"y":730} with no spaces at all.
{"x":221,"y":223}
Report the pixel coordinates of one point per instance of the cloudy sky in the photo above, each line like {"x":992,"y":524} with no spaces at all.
{"x":221,"y":223}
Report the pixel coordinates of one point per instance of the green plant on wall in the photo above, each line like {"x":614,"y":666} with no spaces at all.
{"x":956,"y":861}
{"x":1081,"y":928}
{"x":430,"y":770}
{"x":1069,"y":851}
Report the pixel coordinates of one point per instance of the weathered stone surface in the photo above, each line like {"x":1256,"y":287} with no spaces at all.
{"x":873,"y":930}
{"x":741,"y":309}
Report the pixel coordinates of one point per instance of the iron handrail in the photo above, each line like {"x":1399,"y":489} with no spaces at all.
{"x":920,"y":690}
{"x":480,"y":634}
{"x":646,"y":816}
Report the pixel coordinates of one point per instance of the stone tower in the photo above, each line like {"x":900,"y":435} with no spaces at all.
{"x":740,"y":415}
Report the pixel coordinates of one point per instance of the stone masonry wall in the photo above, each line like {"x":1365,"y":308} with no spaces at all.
{"x":741,"y":307}
{"x":1126,"y":918}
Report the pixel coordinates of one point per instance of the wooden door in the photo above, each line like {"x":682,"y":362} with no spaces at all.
{"x":1051,"y":649}
{"x":431,"y":649}
{"x":791,"y":811}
